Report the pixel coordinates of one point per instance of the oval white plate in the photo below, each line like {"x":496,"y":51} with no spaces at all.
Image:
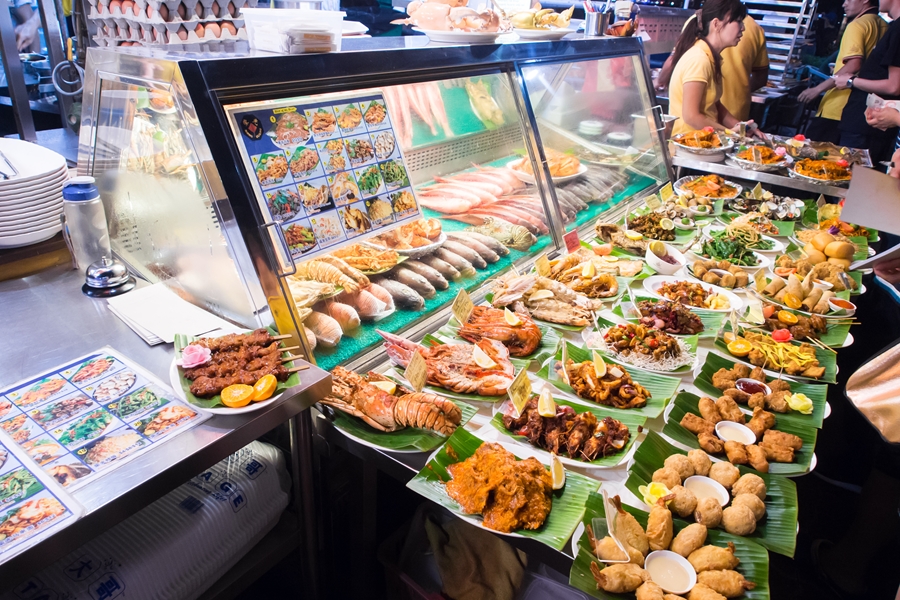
{"x":12,"y":193}
{"x":679,"y":187}
{"x":34,"y":163}
{"x":359,"y":440}
{"x":175,"y":382}
{"x":26,"y":239}
{"x":525,"y":177}
{"x":32,"y":206}
{"x":764,"y":261}
{"x":652,"y":283}
{"x":542,"y":34}
{"x":457,"y":37}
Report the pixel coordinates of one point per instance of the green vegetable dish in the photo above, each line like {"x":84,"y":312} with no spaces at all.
{"x":394,"y":174}
{"x":137,"y":402}
{"x":370,"y":180}
{"x":722,"y":246}
{"x":86,"y":428}
{"x":18,"y":485}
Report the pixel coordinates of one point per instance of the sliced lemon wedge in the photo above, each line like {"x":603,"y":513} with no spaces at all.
{"x":658,"y":248}
{"x":557,"y":472}
{"x":481,"y":358}
{"x":546,"y":405}
{"x":599,"y":365}
{"x":541,"y":295}
{"x":610,"y":258}
{"x":667,"y":224}
{"x":388,"y":386}
{"x":588,"y":269}
{"x":634,"y":235}
{"x":511,"y":318}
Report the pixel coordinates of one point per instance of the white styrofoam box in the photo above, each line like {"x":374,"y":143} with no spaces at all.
{"x":181,"y":544}
{"x":268,"y":29}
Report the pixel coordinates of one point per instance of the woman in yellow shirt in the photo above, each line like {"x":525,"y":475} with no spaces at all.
{"x":861,"y":35}
{"x":695,"y":90}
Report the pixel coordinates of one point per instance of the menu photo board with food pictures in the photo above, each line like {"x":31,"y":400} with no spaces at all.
{"x":32,"y":505}
{"x":327,"y":171}
{"x":88,"y":416}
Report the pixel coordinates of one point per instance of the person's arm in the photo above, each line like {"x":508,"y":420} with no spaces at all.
{"x":692,"y":112}
{"x":759,"y":77}
{"x":851,"y":67}
{"x":883,"y":118}
{"x":26,"y":32}
{"x":882,"y":87}
{"x":725,"y":117}
{"x":665,"y":74}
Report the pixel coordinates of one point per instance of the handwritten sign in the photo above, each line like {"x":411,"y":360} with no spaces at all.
{"x":416,"y":372}
{"x":572,"y":241}
{"x":757,"y":192}
{"x":462,"y":307}
{"x":759,"y":278}
{"x":652,"y":201}
{"x":667,"y":192}
{"x":820,"y":202}
{"x":542,"y":265}
{"x":520,"y":391}
{"x":565,"y":360}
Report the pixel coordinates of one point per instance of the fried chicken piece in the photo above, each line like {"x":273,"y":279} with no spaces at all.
{"x":741,"y":370}
{"x":712,"y":558}
{"x":760,"y":422}
{"x":813,"y":372}
{"x":757,"y":458}
{"x":710,"y":443}
{"x":779,"y":385}
{"x":697,"y":425}
{"x":756,"y":358}
{"x":709,"y":411}
{"x":780,"y":438}
{"x":776,"y":453}
{"x":737,"y":395}
{"x":724,"y":379}
{"x":729,"y":410}
{"x":777,"y":402}
{"x":758,"y":374}
{"x":736,"y":453}
{"x":757,"y":400}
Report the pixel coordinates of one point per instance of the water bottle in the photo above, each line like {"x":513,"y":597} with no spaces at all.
{"x":85,"y":228}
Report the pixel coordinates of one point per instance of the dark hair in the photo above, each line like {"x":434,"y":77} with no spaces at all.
{"x":726,"y":11}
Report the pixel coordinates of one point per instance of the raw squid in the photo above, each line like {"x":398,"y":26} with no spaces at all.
{"x":413,"y":280}
{"x":433,"y":276}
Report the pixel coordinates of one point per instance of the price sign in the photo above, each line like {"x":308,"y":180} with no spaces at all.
{"x":757,"y":191}
{"x":820,"y":202}
{"x":612,"y":517}
{"x":572,"y":241}
{"x":565,"y":360}
{"x":652,"y":201}
{"x":667,"y":192}
{"x":416,"y":371}
{"x":759,"y":278}
{"x":734,"y":323}
{"x":462,"y":307}
{"x":520,"y":391}
{"x":542,"y":265}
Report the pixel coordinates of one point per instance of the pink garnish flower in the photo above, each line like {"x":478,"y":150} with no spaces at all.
{"x":194,"y":355}
{"x":843,"y":163}
{"x":780,"y":151}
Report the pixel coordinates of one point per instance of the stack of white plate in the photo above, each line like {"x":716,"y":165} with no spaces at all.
{"x":31,"y":200}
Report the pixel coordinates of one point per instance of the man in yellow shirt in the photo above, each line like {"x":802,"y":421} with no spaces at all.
{"x":745,"y":68}
{"x":861,"y":35}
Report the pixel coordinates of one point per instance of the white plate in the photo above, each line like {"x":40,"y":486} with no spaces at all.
{"x":175,"y":382}
{"x":525,"y":177}
{"x":460,"y":37}
{"x":679,"y":188}
{"x":45,"y":192}
{"x":777,"y":248}
{"x":35,"y":205}
{"x":32,"y":221}
{"x":729,"y":144}
{"x":652,"y":283}
{"x":26,"y":239}
{"x":353,"y":28}
{"x":542,"y":34}
{"x":40,"y":187}
{"x":764,"y":261}
{"x":33,"y":162}
{"x":29,"y":226}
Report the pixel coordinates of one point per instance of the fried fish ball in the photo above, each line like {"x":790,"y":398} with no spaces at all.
{"x":739,"y":396}
{"x":742,"y":371}
{"x":729,"y":410}
{"x":724,"y":379}
{"x":696,"y":425}
{"x":729,"y":583}
{"x":649,"y":591}
{"x":725,"y":473}
{"x":760,"y":422}
{"x":667,"y":476}
{"x":738,"y":520}
{"x":758,"y":374}
{"x":708,"y":512}
{"x":708,"y":410}
{"x":683,"y":501}
{"x":713,"y":558}
{"x":629,"y":530}
{"x":757,"y":400}
{"x":780,"y":438}
{"x":703,"y":592}
{"x":620,"y":578}
{"x":736,"y":453}
{"x":681,"y":464}
{"x":776,"y":402}
{"x":710,"y":443}
{"x":779,"y":385}
{"x":775,"y":453}
{"x":750,"y":484}
{"x":757,"y":458}
{"x":606,"y":549}
{"x":689,"y":539}
{"x":752,"y":502}
{"x":659,"y":525}
{"x":700,"y":461}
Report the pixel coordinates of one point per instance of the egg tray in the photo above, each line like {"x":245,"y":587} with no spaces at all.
{"x":146,"y":35}
{"x":200,"y":11}
{"x":226,"y":46}
{"x":165,"y":32}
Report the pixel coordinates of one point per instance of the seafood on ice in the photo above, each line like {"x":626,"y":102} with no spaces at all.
{"x":355,"y":395}
{"x":544,"y":299}
{"x":417,"y":234}
{"x":324,"y":272}
{"x":452,"y":15}
{"x":459,"y":368}
{"x":423,"y":99}
{"x":513,"y":236}
{"x":485,"y":322}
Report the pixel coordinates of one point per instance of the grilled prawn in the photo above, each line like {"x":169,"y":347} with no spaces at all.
{"x":490,"y":323}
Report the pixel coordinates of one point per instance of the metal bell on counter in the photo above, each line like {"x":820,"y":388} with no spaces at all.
{"x":106,"y":278}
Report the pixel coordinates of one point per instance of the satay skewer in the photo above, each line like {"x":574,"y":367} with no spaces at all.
{"x":300,"y":368}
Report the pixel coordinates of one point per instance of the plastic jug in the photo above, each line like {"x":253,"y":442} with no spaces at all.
{"x":85,"y":228}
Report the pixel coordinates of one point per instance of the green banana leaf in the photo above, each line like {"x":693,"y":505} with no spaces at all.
{"x":777,"y":531}
{"x":785,"y":228}
{"x":835,"y":333}
{"x":661,"y":387}
{"x":547,"y":348}
{"x":691,"y":341}
{"x":568,"y":503}
{"x":826,"y":358}
{"x":182,"y":341}
{"x":754,"y":558}
{"x":817,"y":392}
{"x":633,"y":422}
{"x":685,"y":402}
{"x":712,"y":320}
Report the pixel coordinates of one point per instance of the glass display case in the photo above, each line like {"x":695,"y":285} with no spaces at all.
{"x":348,"y":193}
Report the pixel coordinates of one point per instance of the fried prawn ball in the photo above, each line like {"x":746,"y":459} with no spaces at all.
{"x":703,"y":592}
{"x":689,"y":540}
{"x":606,"y":549}
{"x":681,"y":464}
{"x":725,"y":473}
{"x":659,"y":525}
{"x":620,"y":578}
{"x":757,"y":458}
{"x":729,"y":583}
{"x":649,"y":591}
{"x":683,"y":501}
{"x":667,"y":476}
{"x":752,"y":502}
{"x":700,"y":461}
{"x":714,"y":558}
{"x":738,"y":520}
{"x":708,"y":512}
{"x":750,"y":484}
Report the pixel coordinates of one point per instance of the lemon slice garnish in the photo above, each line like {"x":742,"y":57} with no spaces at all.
{"x":557,"y":472}
{"x":546,"y":405}
{"x":588,"y":269}
{"x":634,"y":235}
{"x":511,"y":318}
{"x":667,"y":224}
{"x":599,"y":365}
{"x":388,"y":386}
{"x":610,"y":258}
{"x":658,"y":248}
{"x":481,"y":358}
{"x":541,"y":295}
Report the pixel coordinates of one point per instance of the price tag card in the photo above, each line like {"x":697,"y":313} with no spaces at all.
{"x":734,"y":322}
{"x":565,"y":360}
{"x":755,"y":313}
{"x":462,"y":307}
{"x":520,"y":391}
{"x":542,"y":265}
{"x":820,"y":202}
{"x":757,"y":191}
{"x":612,"y":514}
{"x":667,"y":192}
{"x":759,"y":278}
{"x":652,"y":201}
{"x":572,"y":241}
{"x":416,"y":372}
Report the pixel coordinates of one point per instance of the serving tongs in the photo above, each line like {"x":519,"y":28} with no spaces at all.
{"x":9,"y":171}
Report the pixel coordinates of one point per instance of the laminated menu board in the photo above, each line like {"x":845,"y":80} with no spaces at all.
{"x":88,"y":416}
{"x":32,"y":505}
{"x":328,"y":171}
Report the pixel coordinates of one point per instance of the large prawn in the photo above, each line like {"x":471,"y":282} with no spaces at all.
{"x":489,"y":323}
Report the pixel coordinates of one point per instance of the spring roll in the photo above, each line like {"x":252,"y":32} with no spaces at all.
{"x":774,"y":286}
{"x":822,"y":305}
{"x":810,"y":301}
{"x":779,"y":297}
{"x":794,"y":286}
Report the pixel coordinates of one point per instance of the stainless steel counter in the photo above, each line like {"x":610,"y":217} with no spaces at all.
{"x":45,"y":320}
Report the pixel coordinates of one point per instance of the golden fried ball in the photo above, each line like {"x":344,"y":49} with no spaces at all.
{"x":700,"y":461}
{"x":667,"y":476}
{"x":725,"y":473}
{"x":738,"y":520}
{"x":681,"y":464}
{"x":752,"y":502}
{"x":750,"y":484}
